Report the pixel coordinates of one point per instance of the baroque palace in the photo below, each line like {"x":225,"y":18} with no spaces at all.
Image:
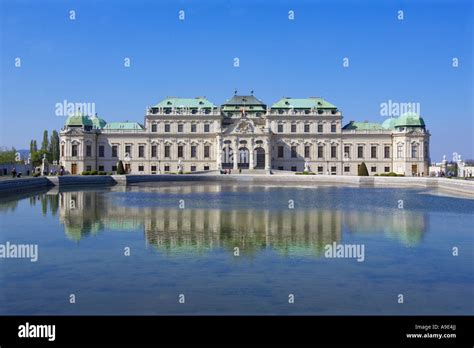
{"x":245,"y":134}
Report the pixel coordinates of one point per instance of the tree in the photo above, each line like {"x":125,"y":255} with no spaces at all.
{"x":120,"y":168}
{"x":35,"y":147}
{"x":54,"y":146}
{"x":362,"y":170}
{"x":37,"y":157}
{"x":7,"y":155}
{"x":31,"y":146}
{"x":45,"y":143}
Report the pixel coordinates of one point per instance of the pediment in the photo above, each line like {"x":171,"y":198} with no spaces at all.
{"x":243,"y":126}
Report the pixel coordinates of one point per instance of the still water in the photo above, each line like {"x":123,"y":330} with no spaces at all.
{"x":237,"y":249}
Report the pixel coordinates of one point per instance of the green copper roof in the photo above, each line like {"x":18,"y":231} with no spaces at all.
{"x":97,"y":122}
{"x":389,"y":123}
{"x":78,"y":121}
{"x":410,"y":119}
{"x":244,"y":100}
{"x":363,"y":126}
{"x":303,"y":103}
{"x":124,"y":126}
{"x":198,"y":102}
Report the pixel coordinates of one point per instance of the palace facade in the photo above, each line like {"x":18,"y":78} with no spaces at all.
{"x":244,"y":133}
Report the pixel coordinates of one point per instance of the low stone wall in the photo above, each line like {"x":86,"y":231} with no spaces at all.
{"x":464,"y":187}
{"x":24,"y":184}
{"x":80,"y":180}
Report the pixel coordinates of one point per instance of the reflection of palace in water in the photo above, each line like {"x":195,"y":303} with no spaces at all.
{"x":170,"y":229}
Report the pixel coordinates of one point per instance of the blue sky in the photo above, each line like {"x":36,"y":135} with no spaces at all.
{"x":389,"y":59}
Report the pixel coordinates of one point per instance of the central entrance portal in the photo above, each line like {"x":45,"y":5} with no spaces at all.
{"x":260,"y":155}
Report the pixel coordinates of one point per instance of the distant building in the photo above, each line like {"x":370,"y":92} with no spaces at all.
{"x":245,"y":133}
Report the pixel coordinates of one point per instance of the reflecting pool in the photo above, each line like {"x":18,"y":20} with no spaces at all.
{"x":237,"y":249}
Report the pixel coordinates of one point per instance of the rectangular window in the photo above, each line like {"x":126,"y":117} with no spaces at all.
{"x":280,"y":128}
{"x":153,"y":127}
{"x":193,"y":151}
{"x":88,"y":168}
{"x":101,"y":150}
{"x":400,"y":151}
{"x":180,"y":150}
{"x":193,"y":168}
{"x":180,"y":128}
{"x":294,"y":153}
{"x":141,"y":151}
{"x":280,"y":151}
{"x":333,"y":128}
{"x":141,"y":168}
{"x":306,"y":128}
{"x":307,"y":151}
{"x":114,"y":168}
{"x":114,"y":150}
{"x":207,"y":151}
{"x":320,"y":128}
{"x":320,"y":169}
{"x":280,"y":168}
{"x":62,"y":150}
{"x":320,"y":151}
{"x":88,"y":150}
{"x":154,"y":150}
{"x":193,"y":127}
{"x":293,"y":168}
{"x":74,"y":150}
{"x":373,"y":152}
{"x":167,"y":128}
{"x":128,"y":150}
{"x":347,"y":169}
{"x":360,"y":152}
{"x":167,"y":168}
{"x":207,"y":128}
{"x":101,"y":168}
{"x":153,"y":169}
{"x":333,"y":151}
{"x":333,"y":170}
{"x":347,"y":150}
{"x":386,"y":152}
{"x":206,"y":167}
{"x":414,"y":151}
{"x":386,"y":169}
{"x":167,"y":151}
{"x":373,"y":169}
{"x":293,"y":128}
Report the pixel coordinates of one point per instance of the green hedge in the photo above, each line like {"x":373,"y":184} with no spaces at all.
{"x":178,"y":173}
{"x":94,"y":172}
{"x":389,"y":174}
{"x":305,"y":173}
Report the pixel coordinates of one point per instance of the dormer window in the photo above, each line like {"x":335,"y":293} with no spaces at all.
{"x":287,"y":103}
{"x":244,"y":99}
{"x":319,"y":103}
{"x":201,"y":102}
{"x":169,"y":103}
